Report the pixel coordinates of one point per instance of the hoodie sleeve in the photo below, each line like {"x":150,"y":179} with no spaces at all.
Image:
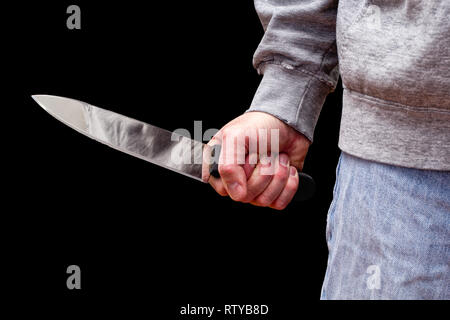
{"x":298,"y":60}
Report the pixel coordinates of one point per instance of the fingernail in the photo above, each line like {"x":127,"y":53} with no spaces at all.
{"x":293,"y":171}
{"x":284,"y":160}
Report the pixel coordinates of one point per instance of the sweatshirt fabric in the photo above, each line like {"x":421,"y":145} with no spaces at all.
{"x":394,"y":61}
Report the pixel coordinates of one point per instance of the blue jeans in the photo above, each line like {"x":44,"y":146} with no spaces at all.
{"x":388,"y":233}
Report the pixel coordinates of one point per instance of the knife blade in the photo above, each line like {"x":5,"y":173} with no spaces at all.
{"x":142,"y":140}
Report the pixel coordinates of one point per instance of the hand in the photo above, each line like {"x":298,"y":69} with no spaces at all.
{"x":249,"y":182}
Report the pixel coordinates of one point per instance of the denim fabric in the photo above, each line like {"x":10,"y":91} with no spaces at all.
{"x":388,"y":233}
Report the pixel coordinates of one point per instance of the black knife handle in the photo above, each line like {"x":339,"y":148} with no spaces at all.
{"x":306,"y":185}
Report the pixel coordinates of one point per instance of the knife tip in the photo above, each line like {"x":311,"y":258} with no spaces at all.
{"x":38,"y":100}
{"x":35,"y":97}
{"x":39,"y":97}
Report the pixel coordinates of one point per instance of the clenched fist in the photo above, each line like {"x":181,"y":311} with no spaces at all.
{"x":247,"y":170}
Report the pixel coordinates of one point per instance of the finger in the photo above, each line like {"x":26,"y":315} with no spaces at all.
{"x":258,"y":181}
{"x":288,"y":192}
{"x":278,"y":183}
{"x":231,"y":161}
{"x":218,"y":185}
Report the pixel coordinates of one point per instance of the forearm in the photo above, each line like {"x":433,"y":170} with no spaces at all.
{"x":298,"y":59}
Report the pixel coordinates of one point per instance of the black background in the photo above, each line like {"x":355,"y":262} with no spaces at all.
{"x":143,"y":235}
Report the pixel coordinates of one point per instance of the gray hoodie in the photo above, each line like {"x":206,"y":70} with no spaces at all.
{"x":394,"y":61}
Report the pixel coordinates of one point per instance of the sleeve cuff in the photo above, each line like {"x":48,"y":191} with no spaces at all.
{"x":294,"y":96}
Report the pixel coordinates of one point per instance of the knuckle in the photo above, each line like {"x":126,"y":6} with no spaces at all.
{"x":230,"y":132}
{"x":226,"y":131}
{"x":226,"y":170}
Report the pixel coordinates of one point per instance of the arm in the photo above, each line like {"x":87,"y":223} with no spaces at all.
{"x":298,"y":60}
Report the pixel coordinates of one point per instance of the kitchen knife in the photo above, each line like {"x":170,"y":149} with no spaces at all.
{"x":153,"y":144}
